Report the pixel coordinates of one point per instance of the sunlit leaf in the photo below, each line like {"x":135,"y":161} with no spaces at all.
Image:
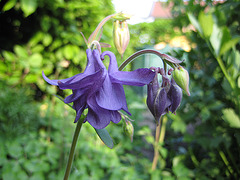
{"x":35,"y":60}
{"x":9,"y":56}
{"x":28,"y":6}
{"x":215,"y":39}
{"x":206,"y":23}
{"x":20,"y":51}
{"x":70,"y":51}
{"x":231,"y":117}
{"x":195,"y":23}
{"x":31,"y":78}
{"x":238,"y":81}
{"x":228,"y":45}
{"x":9,"y":5}
{"x":47,"y":40}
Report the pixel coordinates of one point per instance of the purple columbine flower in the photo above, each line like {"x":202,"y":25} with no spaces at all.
{"x":100,"y":90}
{"x":161,"y":100}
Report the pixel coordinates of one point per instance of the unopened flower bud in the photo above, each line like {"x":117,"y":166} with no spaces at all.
{"x":181,"y":77}
{"x":121,"y":35}
{"x":175,"y":96}
{"x":157,"y":100}
{"x":128,"y":129}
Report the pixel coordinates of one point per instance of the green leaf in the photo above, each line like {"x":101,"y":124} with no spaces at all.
{"x":10,"y":170}
{"x":70,"y":51}
{"x":38,"y":48}
{"x":14,"y":149}
{"x":9,"y":5}
{"x":3,"y":155}
{"x":163,"y":151}
{"x":35,"y":60}
{"x":28,"y":6}
{"x":31,"y":78}
{"x":228,"y":45}
{"x":195,"y":23}
{"x":215,"y":39}
{"x":178,"y":124}
{"x":36,"y":39}
{"x":231,"y":117}
{"x":37,"y":176}
{"x":20,"y":51}
{"x":206,"y":23}
{"x":105,"y":137}
{"x":238,"y":82}
{"x":47,"y":40}
{"x":9,"y":56}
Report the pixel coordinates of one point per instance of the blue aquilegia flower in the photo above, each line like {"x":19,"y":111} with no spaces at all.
{"x":100,"y":90}
{"x":161,"y":100}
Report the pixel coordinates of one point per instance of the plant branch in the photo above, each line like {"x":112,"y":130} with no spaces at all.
{"x":156,"y":145}
{"x":74,"y":142}
{"x":163,"y":129}
{"x":151,"y":51}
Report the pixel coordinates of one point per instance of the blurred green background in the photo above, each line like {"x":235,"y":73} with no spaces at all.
{"x":201,"y":140}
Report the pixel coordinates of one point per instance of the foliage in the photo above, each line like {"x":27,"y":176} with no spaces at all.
{"x":202,"y":140}
{"x":46,"y":36}
{"x":209,"y":120}
{"x":41,"y":152}
{"x":16,"y":107}
{"x":146,"y":34}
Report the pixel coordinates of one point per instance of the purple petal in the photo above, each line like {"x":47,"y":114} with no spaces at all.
{"x":152,"y":90}
{"x":90,"y":68}
{"x":98,"y":117}
{"x":138,"y":77}
{"x":55,"y":82}
{"x":160,"y":103}
{"x":97,"y":60}
{"x":82,"y":81}
{"x":175,"y":96}
{"x":52,"y":82}
{"x":79,"y":106}
{"x":150,"y":98}
{"x":111,"y":96}
{"x":98,"y":121}
{"x":115,"y":117}
{"x":113,"y":66}
{"x":75,"y":95}
{"x":125,"y":108}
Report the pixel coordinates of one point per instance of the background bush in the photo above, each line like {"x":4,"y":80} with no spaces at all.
{"x":202,"y":140}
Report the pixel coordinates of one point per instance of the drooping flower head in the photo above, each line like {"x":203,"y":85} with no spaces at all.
{"x":164,"y":98}
{"x":100,"y":90}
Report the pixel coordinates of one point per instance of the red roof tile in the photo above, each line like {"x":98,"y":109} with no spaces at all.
{"x":161,"y":10}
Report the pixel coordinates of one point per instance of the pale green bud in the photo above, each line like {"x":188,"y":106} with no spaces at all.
{"x":181,"y":77}
{"x":128,"y":129}
{"x":121,"y":35}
